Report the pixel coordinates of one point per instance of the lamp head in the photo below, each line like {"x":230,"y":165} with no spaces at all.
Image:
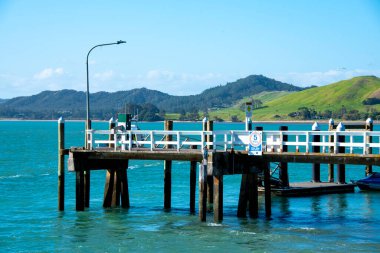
{"x":120,"y":41}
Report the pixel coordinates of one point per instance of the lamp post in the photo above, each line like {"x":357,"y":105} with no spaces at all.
{"x":88,"y":126}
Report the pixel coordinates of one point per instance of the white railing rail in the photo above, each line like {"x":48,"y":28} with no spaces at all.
{"x":298,"y":141}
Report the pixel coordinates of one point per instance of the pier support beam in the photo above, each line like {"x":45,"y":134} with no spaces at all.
{"x":218,"y":198}
{"x":87,"y":177}
{"x":116,"y":187}
{"x":168,"y":170}
{"x":61,"y":164}
{"x":193,"y":175}
{"x":268,"y":197}
{"x":316,"y":149}
{"x":248,"y":196}
{"x":283,"y":172}
{"x":369,"y":127}
{"x":341,"y":167}
{"x":79,"y":190}
{"x":124,"y":190}
{"x":208,"y":125}
{"x":331,"y":165}
{"x":203,"y":188}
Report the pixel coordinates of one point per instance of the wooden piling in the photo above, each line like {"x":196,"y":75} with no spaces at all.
{"x":218,"y":198}
{"x":61,"y":164}
{"x":124,"y":190}
{"x":193,"y":175}
{"x":243,"y":197}
{"x":248,"y":195}
{"x":108,"y":188}
{"x":316,"y":149}
{"x":116,"y":185}
{"x":283,"y":171}
{"x":253,"y":196}
{"x":210,"y":180}
{"x":87,"y":173}
{"x":331,"y":149}
{"x":168,"y":169}
{"x":268,"y":197}
{"x":341,"y":167}
{"x":203,"y":188}
{"x":79,"y":191}
{"x":369,"y":127}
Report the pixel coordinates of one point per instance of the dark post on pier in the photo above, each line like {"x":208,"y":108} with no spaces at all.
{"x":61,"y":164}
{"x":168,"y":170}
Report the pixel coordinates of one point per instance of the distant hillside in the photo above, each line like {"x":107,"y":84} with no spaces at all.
{"x":103,"y":104}
{"x":342,"y":99}
{"x":3,"y":100}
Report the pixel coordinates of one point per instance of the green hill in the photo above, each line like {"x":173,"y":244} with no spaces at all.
{"x":345,"y":97}
{"x":71,"y":103}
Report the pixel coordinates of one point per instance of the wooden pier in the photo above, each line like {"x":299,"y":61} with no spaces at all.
{"x":218,"y":154}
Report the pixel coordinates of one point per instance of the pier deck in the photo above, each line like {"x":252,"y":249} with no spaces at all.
{"x":219,"y":154}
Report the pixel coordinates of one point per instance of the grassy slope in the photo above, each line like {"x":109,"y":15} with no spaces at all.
{"x":235,"y":110}
{"x":349,"y":93}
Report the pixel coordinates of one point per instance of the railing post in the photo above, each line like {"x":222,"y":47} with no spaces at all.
{"x":61,"y":164}
{"x":316,"y":149}
{"x":331,"y":150}
{"x":341,"y":167}
{"x":88,"y":127}
{"x":368,"y":127}
{"x":283,"y":172}
{"x":111,"y":138}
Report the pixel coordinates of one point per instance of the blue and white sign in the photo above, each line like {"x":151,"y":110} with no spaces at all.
{"x":255,"y":143}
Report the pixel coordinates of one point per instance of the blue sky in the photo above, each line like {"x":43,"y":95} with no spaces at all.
{"x":183,"y":47}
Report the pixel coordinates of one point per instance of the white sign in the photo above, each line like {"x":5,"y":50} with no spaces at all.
{"x":255,"y":146}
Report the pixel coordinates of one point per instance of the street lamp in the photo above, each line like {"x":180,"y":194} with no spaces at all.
{"x":88,"y":126}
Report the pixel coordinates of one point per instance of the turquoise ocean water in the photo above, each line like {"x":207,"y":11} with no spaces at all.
{"x":30,"y":222}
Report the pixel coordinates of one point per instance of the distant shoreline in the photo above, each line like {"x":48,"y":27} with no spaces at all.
{"x":351,"y":122}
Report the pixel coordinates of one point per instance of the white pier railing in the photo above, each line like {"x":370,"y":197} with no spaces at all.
{"x":359,"y":142}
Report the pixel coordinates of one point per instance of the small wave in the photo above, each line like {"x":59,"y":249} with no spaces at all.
{"x":243,"y":232}
{"x":134,"y":167}
{"x":214,"y":225}
{"x":8,"y":177}
{"x":301,"y":228}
